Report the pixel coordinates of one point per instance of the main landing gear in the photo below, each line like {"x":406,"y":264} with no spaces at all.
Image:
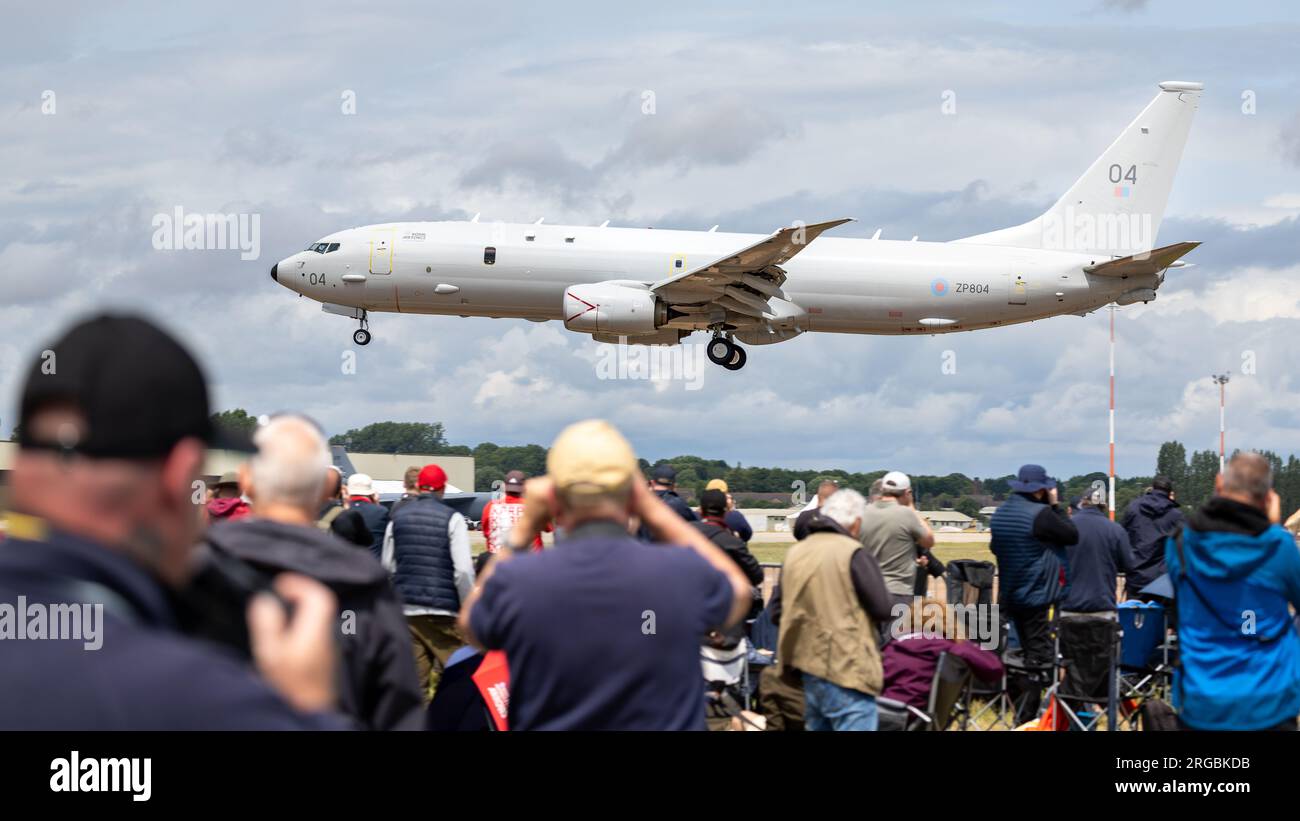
{"x":722,"y":351}
{"x":362,"y":335}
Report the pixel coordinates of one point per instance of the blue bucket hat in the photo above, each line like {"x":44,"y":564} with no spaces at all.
{"x":1032,"y":478}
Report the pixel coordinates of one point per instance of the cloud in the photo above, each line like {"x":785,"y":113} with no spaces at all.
{"x":1290,"y":141}
{"x":761,"y":118}
{"x":703,"y":132}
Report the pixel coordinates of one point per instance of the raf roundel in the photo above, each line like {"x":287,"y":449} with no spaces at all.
{"x":939,"y":287}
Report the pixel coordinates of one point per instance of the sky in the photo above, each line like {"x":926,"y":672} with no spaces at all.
{"x":763,"y":113}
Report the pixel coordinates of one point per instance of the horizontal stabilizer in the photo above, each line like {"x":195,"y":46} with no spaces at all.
{"x":1147,"y":262}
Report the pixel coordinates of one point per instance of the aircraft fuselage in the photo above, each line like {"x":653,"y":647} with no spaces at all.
{"x":839,"y":285}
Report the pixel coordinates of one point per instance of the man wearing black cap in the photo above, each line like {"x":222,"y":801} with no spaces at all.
{"x":713,"y":524}
{"x":1150,"y":520}
{"x":105,"y":492}
{"x":1030,"y":532}
{"x":663,"y":483}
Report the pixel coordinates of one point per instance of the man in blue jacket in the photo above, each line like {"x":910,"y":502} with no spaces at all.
{"x":1095,"y":563}
{"x":1030,"y":534}
{"x":1235,"y":572}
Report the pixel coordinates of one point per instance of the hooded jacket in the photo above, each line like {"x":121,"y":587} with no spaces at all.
{"x":378,"y":681}
{"x":1150,"y":519}
{"x":1234,"y":575}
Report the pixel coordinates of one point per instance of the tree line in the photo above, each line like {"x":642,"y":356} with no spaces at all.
{"x":1192,"y":476}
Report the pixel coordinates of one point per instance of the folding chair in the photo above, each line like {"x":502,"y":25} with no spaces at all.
{"x":1147,"y":657}
{"x":952,"y":678}
{"x":726,"y":679}
{"x":990,"y":703}
{"x":1088,"y":651}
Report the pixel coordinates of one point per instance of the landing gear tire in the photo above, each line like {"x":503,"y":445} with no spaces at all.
{"x":362,"y":334}
{"x":724,"y":352}
{"x":737,"y":359}
{"x":720,"y":351}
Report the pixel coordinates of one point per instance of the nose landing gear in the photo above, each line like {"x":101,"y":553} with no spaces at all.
{"x":722,"y":351}
{"x":362,"y":335}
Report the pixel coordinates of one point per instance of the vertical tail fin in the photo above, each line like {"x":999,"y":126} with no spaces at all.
{"x":1116,"y":207}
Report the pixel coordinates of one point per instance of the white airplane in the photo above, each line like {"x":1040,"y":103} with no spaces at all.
{"x":1095,"y":246}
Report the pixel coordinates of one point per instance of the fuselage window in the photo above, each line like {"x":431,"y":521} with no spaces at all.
{"x":489,"y":255}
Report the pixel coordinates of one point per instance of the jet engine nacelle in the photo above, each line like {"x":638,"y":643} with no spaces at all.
{"x":1136,"y":295}
{"x":612,"y":308}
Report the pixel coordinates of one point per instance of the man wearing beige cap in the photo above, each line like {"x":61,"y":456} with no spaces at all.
{"x":603,"y":632}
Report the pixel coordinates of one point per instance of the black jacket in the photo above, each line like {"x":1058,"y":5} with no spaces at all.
{"x":679,"y":506}
{"x":378,"y":685}
{"x":735,"y":549}
{"x":1149,"y":519}
{"x":1095,"y":562}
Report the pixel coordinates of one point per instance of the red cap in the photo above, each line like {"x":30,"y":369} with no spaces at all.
{"x":432,"y":477}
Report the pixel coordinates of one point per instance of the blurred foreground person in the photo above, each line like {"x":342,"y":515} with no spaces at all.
{"x":829,"y":606}
{"x":603,"y":632}
{"x":1236,"y":574}
{"x":114,"y":429}
{"x":1150,"y":520}
{"x":284,"y":480}
{"x":426,"y":549}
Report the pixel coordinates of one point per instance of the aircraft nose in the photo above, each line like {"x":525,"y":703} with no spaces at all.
{"x":274,"y":276}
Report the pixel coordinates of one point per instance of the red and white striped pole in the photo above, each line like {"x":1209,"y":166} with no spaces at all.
{"x":1110,"y":499}
{"x":1222,"y":380}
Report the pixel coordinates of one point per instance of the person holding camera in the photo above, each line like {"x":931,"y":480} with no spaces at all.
{"x":603,"y":632}
{"x":1030,"y":532}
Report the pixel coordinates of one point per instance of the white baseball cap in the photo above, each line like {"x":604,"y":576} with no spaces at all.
{"x":360,"y":484}
{"x":896,"y":480}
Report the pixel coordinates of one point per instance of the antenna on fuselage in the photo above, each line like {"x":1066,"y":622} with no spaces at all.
{"x":476,"y":216}
{"x":539,"y":221}
{"x":877,"y":234}
{"x":603,"y":224}
{"x":714,"y":228}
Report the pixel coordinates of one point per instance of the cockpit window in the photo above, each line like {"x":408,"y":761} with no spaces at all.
{"x":323,"y":247}
{"x":334,"y":246}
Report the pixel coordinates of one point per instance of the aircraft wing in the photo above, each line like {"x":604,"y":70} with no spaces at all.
{"x":1150,"y":262}
{"x":743,"y":281}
